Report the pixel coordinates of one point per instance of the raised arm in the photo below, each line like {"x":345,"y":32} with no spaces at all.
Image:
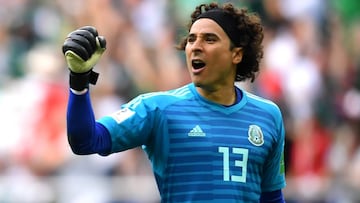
{"x":82,"y":50}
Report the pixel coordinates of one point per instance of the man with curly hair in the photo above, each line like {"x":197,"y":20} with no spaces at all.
{"x":208,"y":141}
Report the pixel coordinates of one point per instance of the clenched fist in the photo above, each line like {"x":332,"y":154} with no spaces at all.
{"x":82,"y":50}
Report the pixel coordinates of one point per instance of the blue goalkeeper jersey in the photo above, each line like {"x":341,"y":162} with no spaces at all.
{"x":202,"y":151}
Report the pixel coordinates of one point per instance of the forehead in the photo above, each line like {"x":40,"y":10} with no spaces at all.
{"x":206,"y":25}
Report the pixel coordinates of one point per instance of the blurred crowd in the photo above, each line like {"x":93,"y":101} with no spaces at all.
{"x":311,"y":69}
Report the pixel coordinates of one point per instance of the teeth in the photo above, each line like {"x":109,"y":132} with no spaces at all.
{"x":197,"y":61}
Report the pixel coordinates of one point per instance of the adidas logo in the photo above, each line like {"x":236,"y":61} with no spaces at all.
{"x":196,"y":132}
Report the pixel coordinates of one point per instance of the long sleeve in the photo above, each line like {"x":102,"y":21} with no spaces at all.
{"x":85,"y":135}
{"x":272,"y":197}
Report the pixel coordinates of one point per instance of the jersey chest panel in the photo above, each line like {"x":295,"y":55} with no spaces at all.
{"x":214,"y":151}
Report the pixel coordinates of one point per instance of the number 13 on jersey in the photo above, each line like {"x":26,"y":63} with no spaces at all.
{"x":241,"y":164}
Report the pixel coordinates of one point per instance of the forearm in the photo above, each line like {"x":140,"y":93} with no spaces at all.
{"x":85,"y":135}
{"x":272,"y":197}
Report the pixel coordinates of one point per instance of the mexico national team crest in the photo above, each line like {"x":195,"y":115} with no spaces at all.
{"x":255,"y":135}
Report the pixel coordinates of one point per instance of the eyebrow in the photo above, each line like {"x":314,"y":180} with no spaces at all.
{"x":206,"y":34}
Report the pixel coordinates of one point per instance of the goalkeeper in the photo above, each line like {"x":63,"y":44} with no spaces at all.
{"x":208,"y":141}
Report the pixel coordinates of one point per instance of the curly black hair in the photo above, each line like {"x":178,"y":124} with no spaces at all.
{"x":251,"y":37}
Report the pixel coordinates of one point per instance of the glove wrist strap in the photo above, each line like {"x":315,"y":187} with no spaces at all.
{"x":80,"y":81}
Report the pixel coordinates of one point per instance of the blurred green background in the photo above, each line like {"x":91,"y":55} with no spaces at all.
{"x":311,"y":69}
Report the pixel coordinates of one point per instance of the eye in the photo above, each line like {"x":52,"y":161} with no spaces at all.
{"x":191,"y":39}
{"x":210,"y":39}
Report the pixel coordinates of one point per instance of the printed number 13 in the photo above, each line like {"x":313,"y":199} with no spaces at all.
{"x":238,"y":163}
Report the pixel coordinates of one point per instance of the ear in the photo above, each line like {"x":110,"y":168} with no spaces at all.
{"x":237,"y":55}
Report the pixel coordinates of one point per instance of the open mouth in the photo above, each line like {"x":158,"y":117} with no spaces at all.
{"x":197,"y":64}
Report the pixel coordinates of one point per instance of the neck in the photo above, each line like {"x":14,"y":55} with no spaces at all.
{"x":224,"y":96}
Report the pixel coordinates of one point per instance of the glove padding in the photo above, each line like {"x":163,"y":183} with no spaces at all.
{"x":82,"y":49}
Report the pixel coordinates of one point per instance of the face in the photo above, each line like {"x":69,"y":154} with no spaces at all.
{"x":210,"y":62}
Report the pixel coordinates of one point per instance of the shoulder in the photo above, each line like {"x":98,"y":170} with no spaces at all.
{"x":163,"y":98}
{"x":265,"y":105}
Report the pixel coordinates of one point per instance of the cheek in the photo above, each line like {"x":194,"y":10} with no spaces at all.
{"x":221,"y":58}
{"x":187,"y":54}
{"x":188,"y":60}
{"x":187,"y":51}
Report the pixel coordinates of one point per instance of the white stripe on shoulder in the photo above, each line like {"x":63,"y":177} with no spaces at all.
{"x":180,"y":91}
{"x":176,"y":92}
{"x":260,"y":99}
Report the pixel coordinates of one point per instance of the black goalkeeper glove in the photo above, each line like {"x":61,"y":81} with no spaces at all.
{"x":82,"y":49}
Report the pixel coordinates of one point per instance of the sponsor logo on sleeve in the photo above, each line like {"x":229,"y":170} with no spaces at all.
{"x":122,"y":115}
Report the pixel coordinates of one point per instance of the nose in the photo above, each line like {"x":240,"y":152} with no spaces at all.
{"x":196,"y":45}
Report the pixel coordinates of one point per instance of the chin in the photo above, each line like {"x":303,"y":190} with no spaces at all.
{"x":199,"y":84}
